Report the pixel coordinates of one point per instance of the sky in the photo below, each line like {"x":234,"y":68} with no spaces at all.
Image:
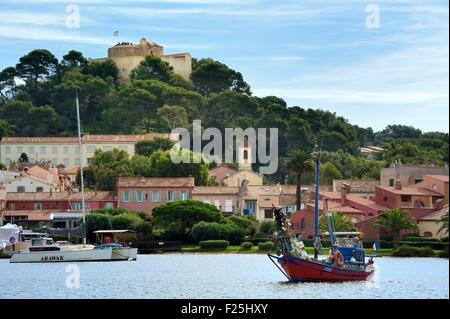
{"x":376,"y":62}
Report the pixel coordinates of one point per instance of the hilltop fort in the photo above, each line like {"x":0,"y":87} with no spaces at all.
{"x":127,"y":56}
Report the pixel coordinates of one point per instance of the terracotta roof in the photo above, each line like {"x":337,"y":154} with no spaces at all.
{"x":336,"y":207}
{"x":411,"y":191}
{"x":155,"y":182}
{"x":203,"y":190}
{"x":32,"y":215}
{"x":59,"y":196}
{"x":39,"y":140}
{"x":71,"y":171}
{"x":437,"y":215}
{"x":357,"y":185}
{"x":442,"y":178}
{"x":221,"y":172}
{"x":44,"y":174}
{"x":331,"y":195}
{"x":86,"y":138}
{"x":176,"y":55}
{"x":288,"y":199}
{"x":266,"y":201}
{"x":366,"y":202}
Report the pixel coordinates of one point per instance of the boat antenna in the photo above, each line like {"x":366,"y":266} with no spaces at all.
{"x":81,"y":167}
{"x":316,"y":156}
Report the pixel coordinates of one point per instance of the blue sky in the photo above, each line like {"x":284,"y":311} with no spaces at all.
{"x":312,"y":53}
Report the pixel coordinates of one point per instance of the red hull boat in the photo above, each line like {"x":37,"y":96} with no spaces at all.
{"x":298,"y":269}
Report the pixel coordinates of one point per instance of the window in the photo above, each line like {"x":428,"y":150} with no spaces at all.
{"x":66,"y":149}
{"x":8,"y":149}
{"x":245,"y":155}
{"x":31,"y":149}
{"x":139,"y":196}
{"x":268,"y":213}
{"x":302,"y":224}
{"x":123,"y":148}
{"x":107,"y":148}
{"x":91,"y":149}
{"x":171,"y":196}
{"x":12,"y":206}
{"x":77,"y":150}
{"x":405,"y":198}
{"x":77,"y":205}
{"x":66,"y":162}
{"x":385,"y":198}
{"x":109,"y":205}
{"x":37,"y":205}
{"x":155,"y":196}
{"x":39,"y":189}
{"x":427,"y":234}
{"x":391,"y":182}
{"x":21,"y":189}
{"x":184,"y":195}
{"x":217,"y":204}
{"x":55,"y":161}
{"x":8,"y":161}
{"x":77,"y":161}
{"x":54,"y":149}
{"x":126,"y":196}
{"x":228,"y":206}
{"x":42,"y":149}
{"x":418,"y":180}
{"x":19,"y":149}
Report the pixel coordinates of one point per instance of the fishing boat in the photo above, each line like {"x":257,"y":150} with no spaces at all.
{"x":346,"y":260}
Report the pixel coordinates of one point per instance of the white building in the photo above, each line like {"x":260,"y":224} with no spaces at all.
{"x":14,"y":182}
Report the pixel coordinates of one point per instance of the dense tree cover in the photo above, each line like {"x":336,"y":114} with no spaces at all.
{"x":105,"y":167}
{"x":174,"y":220}
{"x":146,"y":148}
{"x":116,"y":218}
{"x":298,"y":163}
{"x":37,"y":98}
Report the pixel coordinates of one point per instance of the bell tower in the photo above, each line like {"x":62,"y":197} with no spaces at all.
{"x":245,"y":156}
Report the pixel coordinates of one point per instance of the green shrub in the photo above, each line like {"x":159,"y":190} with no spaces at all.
{"x":431,"y":245}
{"x":444,"y":239}
{"x":211,"y":231}
{"x":267,"y":246}
{"x":246,"y":245}
{"x":444,"y":253}
{"x":267,"y":227}
{"x":410,"y":251}
{"x":419,"y":239}
{"x":207,"y":244}
{"x":244,"y":222}
{"x":261,"y":235}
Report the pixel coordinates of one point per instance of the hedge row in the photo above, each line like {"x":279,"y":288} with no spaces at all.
{"x":267,"y":246}
{"x":246,"y":245}
{"x":410,"y":251}
{"x":206,"y":244}
{"x":420,"y":239}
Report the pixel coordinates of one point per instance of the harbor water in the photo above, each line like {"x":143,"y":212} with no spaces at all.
{"x":182,"y":275}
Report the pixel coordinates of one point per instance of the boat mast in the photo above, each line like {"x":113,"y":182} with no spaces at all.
{"x":81,"y":167}
{"x":316,"y":204}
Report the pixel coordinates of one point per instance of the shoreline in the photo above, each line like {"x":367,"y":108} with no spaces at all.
{"x":235,"y":249}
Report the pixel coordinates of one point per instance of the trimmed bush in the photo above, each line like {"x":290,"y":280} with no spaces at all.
{"x":419,"y":239}
{"x":410,"y":251}
{"x":267,"y":227}
{"x":444,"y":254}
{"x":246,"y":245}
{"x":261,"y":235}
{"x":207,"y":244}
{"x":267,"y":246}
{"x":256,"y":241}
{"x":214,"y":231}
{"x":431,"y":245}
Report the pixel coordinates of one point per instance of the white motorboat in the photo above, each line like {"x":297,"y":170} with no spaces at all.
{"x":119,"y":251}
{"x":44,"y":250}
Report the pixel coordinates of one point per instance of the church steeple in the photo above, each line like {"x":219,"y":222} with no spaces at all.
{"x":245,"y":156}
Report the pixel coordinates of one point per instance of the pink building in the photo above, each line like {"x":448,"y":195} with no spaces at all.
{"x":143,"y":194}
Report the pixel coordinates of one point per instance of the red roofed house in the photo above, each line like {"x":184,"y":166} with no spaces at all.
{"x":143,"y":194}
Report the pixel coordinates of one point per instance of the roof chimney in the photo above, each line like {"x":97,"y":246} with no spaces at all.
{"x":411,"y":180}
{"x":398,"y":184}
{"x":344,"y":190}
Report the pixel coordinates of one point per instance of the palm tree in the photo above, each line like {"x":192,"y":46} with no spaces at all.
{"x":341,"y":222}
{"x":395,"y":220}
{"x":299,"y":162}
{"x":444,"y":222}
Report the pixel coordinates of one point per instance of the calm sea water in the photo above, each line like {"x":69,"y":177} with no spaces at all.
{"x":217,"y":276}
